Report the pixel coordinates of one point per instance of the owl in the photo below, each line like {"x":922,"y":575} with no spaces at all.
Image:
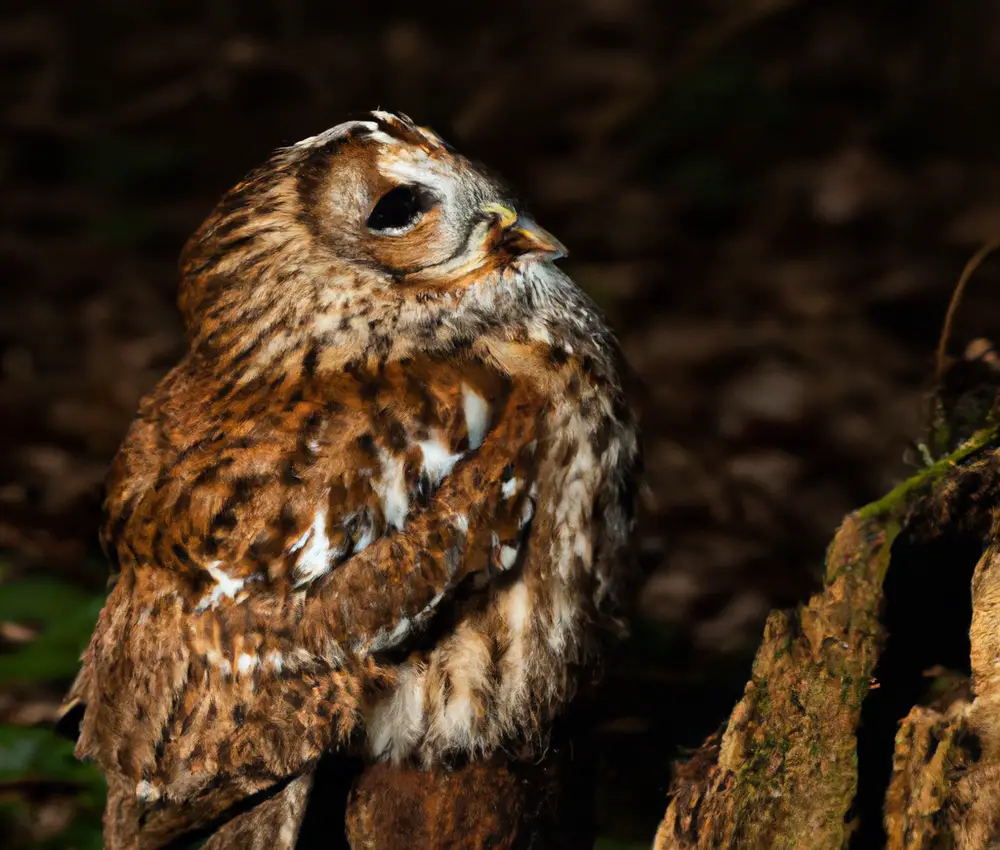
{"x":381,"y":507}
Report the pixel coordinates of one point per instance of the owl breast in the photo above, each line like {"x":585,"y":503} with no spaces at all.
{"x":512,"y":657}
{"x":262,"y":492}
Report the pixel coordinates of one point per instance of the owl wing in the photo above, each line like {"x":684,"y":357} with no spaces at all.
{"x":220,"y":670}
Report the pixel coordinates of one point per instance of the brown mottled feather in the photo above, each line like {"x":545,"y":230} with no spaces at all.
{"x":380,"y":507}
{"x":272,"y":825}
{"x":169,"y":669}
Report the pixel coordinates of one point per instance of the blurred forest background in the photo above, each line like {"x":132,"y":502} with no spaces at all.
{"x":771,"y":199}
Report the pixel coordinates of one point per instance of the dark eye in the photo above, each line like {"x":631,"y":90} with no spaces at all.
{"x":398,"y":209}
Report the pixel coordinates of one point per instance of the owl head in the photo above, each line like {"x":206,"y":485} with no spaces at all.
{"x":373,"y":237}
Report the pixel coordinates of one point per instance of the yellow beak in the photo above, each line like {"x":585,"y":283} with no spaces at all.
{"x":522,"y":236}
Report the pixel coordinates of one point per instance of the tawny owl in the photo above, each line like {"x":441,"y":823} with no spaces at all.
{"x":381,"y":506}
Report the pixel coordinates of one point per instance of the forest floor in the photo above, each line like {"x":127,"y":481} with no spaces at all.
{"x":772,"y":201}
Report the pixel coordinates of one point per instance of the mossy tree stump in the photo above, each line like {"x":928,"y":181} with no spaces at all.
{"x":784,"y":773}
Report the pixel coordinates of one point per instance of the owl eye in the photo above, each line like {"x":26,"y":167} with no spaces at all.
{"x":399,"y":209}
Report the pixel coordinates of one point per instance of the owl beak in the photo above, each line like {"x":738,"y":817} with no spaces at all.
{"x":522,"y":237}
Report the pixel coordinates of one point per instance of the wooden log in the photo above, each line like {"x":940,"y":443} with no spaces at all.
{"x":503,"y":803}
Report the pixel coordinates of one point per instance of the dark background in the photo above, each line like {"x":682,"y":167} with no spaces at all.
{"x":771,"y":199}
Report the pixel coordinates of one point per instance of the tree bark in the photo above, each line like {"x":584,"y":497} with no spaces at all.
{"x":783,"y":773}
{"x":946,"y":768}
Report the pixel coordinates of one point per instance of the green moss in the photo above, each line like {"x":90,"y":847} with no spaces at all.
{"x":784,"y":648}
{"x":897,"y":501}
{"x":845,"y":689}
